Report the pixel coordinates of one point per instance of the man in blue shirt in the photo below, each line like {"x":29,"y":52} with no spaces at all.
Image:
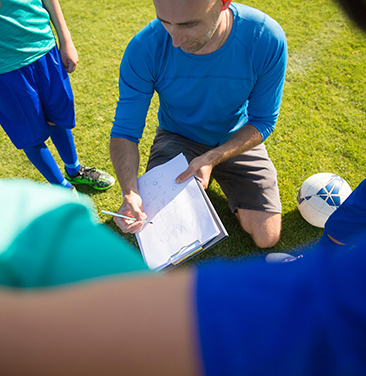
{"x":221,"y":319}
{"x":219,"y":71}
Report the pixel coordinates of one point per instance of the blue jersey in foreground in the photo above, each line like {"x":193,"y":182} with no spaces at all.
{"x":350,"y":218}
{"x":303,"y":318}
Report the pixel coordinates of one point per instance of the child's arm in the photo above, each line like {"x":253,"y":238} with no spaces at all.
{"x":142,"y":325}
{"x":69,"y":55}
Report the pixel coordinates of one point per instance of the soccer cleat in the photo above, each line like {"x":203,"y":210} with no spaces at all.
{"x":97,"y":179}
{"x":278,"y":258}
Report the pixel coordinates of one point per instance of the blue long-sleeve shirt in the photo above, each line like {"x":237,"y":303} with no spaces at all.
{"x":205,"y":98}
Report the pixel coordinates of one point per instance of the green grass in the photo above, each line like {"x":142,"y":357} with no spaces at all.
{"x":321,"y":126}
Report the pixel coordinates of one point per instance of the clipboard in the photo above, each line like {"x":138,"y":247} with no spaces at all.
{"x":171,"y":239}
{"x":193,"y":249}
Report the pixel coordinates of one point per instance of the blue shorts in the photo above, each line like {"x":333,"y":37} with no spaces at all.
{"x":34,"y":95}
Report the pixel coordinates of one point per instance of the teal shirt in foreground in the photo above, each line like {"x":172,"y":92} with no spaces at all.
{"x":25,"y":33}
{"x":48,"y":237}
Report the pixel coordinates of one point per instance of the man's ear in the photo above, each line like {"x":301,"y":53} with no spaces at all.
{"x":225,"y":4}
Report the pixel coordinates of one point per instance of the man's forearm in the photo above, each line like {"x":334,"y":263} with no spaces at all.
{"x":201,"y":167}
{"x":125,"y":158}
{"x":243,"y":140}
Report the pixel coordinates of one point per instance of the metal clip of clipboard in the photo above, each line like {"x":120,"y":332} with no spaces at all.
{"x":185,"y":252}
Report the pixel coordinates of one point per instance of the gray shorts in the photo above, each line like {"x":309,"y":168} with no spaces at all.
{"x":249,"y":180}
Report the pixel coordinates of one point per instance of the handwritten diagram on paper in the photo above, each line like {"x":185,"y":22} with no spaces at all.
{"x":179,"y":213}
{"x":170,"y":224}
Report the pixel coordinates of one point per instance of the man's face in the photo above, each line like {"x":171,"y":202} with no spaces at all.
{"x":190,"y":23}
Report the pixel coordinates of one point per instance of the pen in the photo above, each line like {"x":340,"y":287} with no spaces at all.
{"x":123,"y":216}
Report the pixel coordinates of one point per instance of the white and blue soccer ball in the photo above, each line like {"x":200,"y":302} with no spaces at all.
{"x":320,"y":195}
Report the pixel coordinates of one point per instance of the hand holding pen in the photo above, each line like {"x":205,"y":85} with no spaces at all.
{"x":124,"y":216}
{"x":131,"y":207}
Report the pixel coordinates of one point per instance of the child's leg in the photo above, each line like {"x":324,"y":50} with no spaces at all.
{"x":58,"y":108}
{"x":43,"y":160}
{"x":75,"y":173}
{"x":63,"y":140}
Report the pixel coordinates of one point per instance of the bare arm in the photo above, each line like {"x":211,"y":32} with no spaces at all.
{"x":69,"y":55}
{"x":125,"y":158}
{"x":244,"y":139}
{"x":135,"y":326}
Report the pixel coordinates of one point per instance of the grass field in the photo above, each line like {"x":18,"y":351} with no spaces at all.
{"x":321,"y":127}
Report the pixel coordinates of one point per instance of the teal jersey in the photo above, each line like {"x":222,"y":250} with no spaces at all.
{"x":25,"y":33}
{"x":50,"y":237}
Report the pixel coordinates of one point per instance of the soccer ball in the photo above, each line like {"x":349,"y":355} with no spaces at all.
{"x":320,"y":195}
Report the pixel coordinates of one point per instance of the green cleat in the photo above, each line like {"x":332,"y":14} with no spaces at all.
{"x":97,"y":179}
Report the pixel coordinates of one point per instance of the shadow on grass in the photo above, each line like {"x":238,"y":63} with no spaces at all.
{"x":88,"y":190}
{"x":297,"y":233}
